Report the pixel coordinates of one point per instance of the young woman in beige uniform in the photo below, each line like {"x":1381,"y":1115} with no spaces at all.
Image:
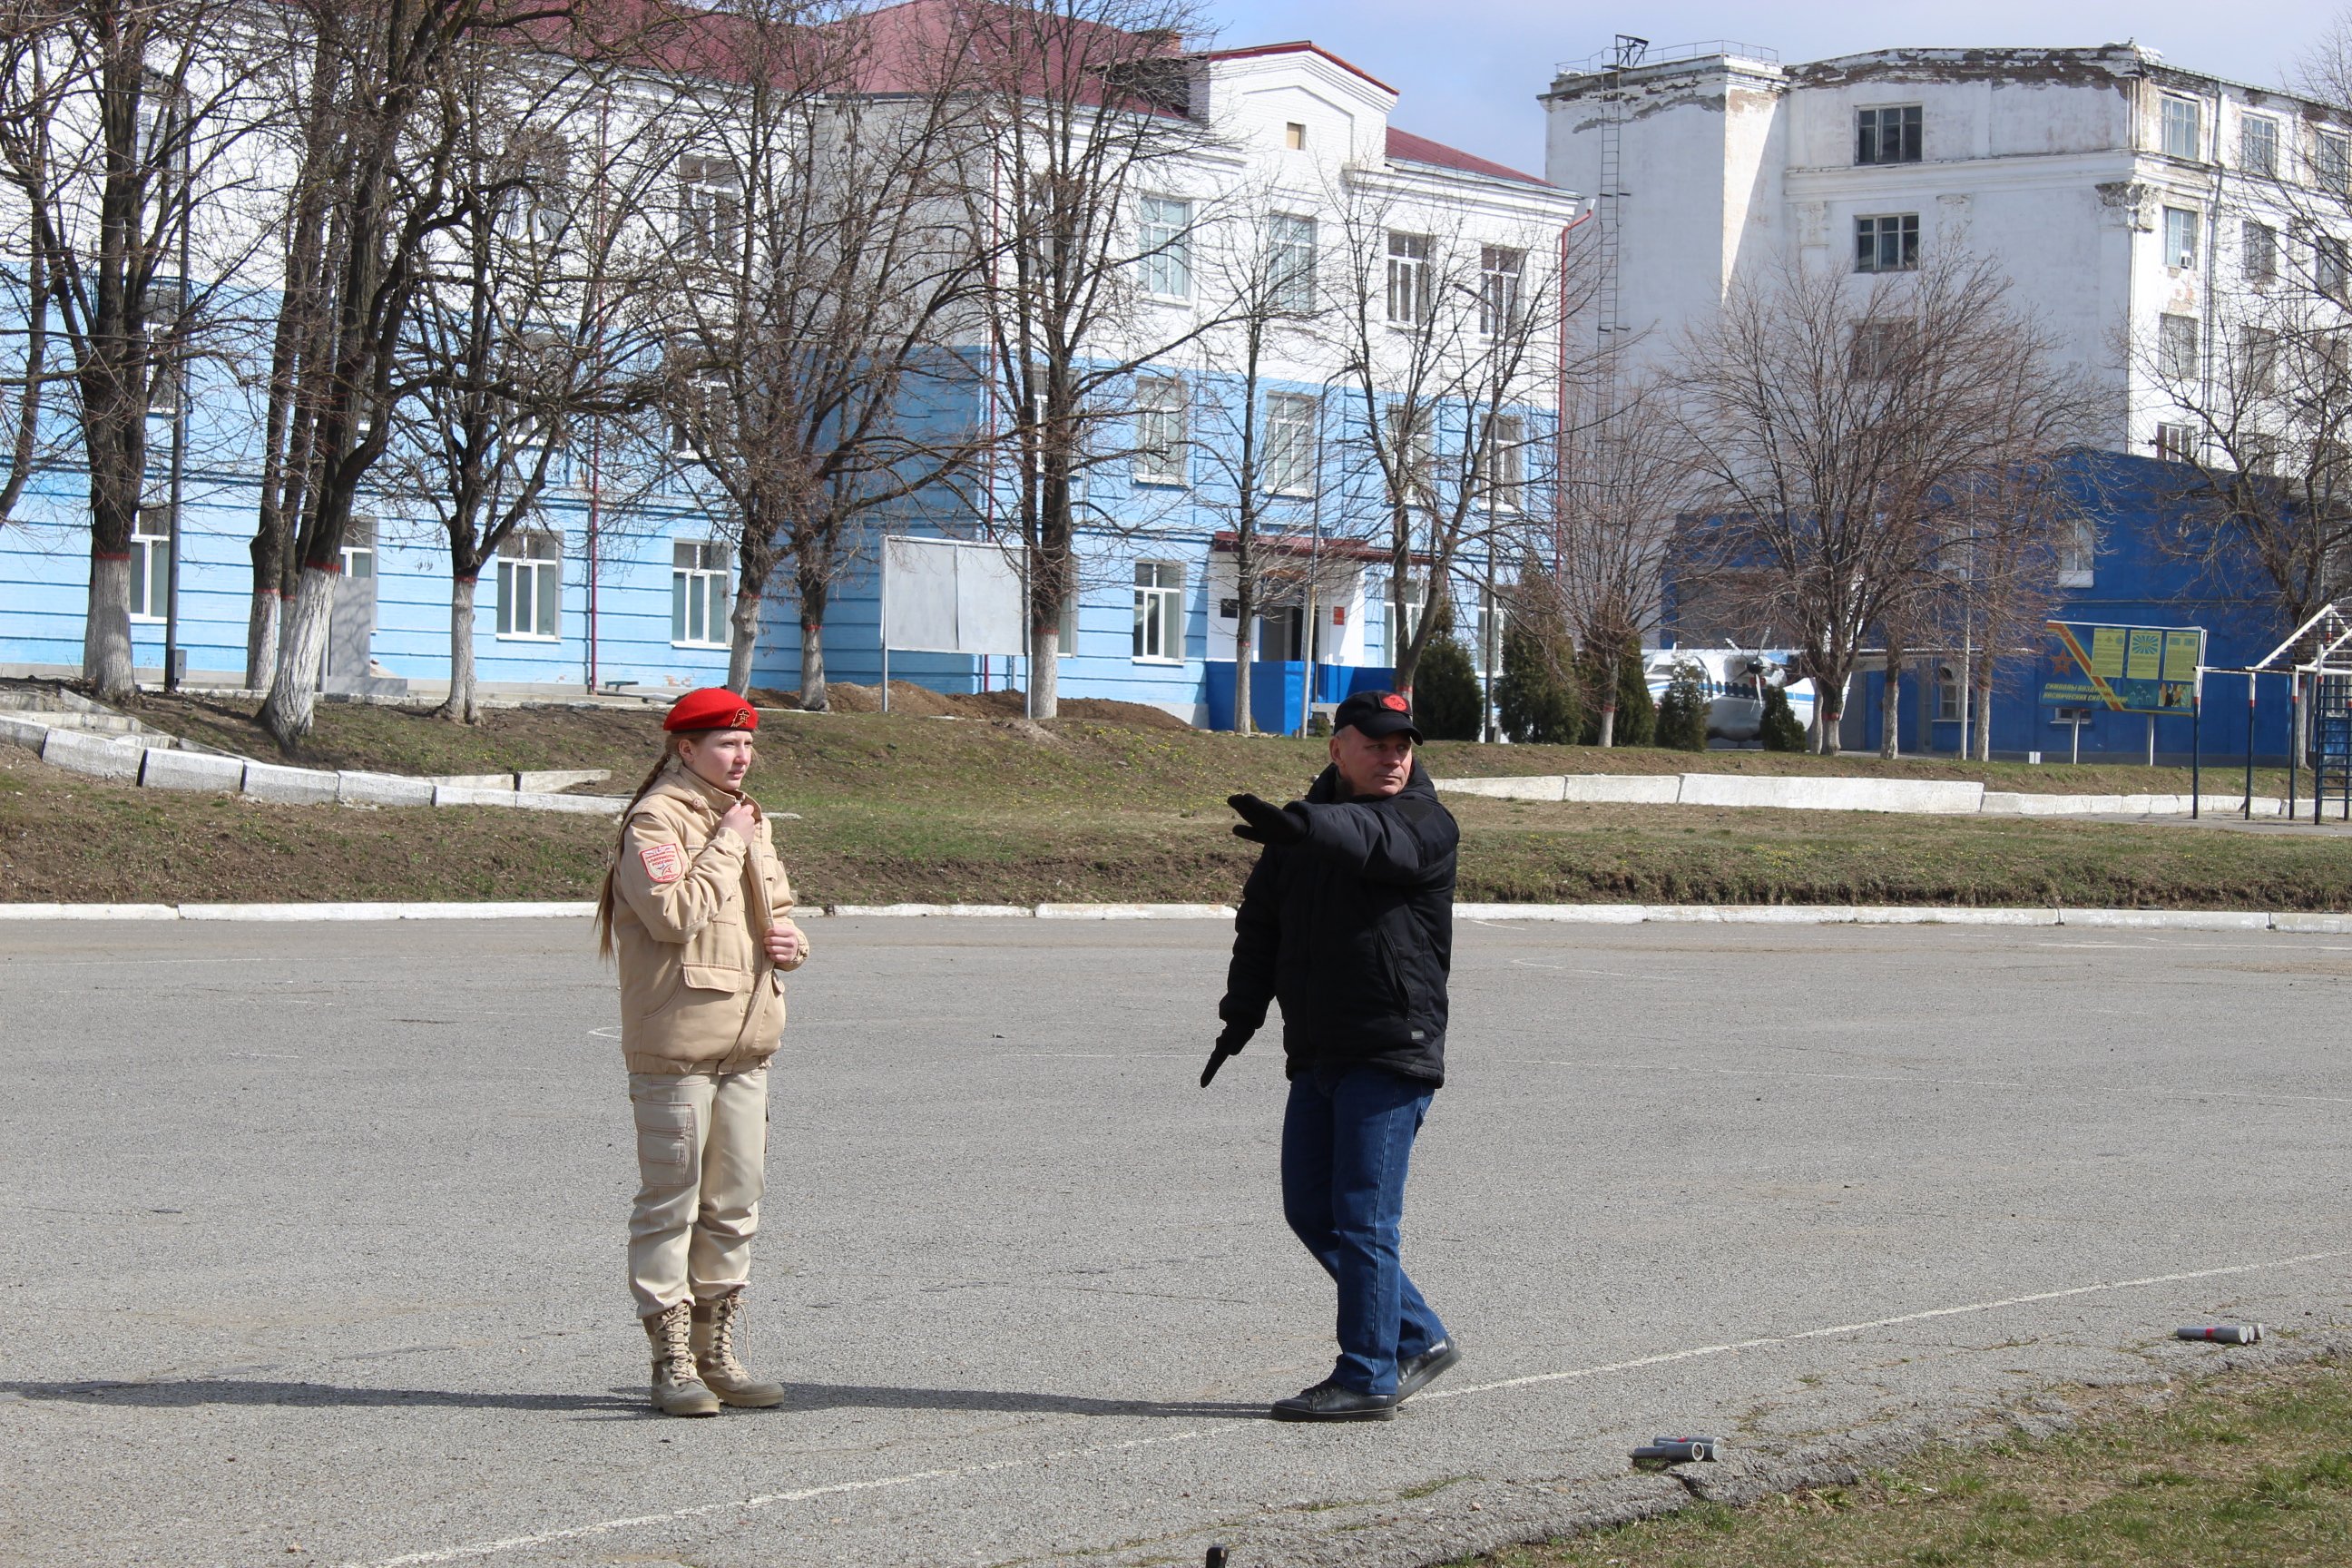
{"x":699,"y":910}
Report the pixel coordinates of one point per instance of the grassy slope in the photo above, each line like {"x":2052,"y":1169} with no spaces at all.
{"x":2248,"y":1471}
{"x":914,"y":808}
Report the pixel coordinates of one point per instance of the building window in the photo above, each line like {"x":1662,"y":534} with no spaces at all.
{"x":1289,"y":467}
{"x":358,"y":553}
{"x":2258,"y":360}
{"x":1159,"y":610}
{"x":710,"y":208}
{"x":1290,"y":257}
{"x":1886,"y":244}
{"x":1294,"y":136}
{"x":1880,"y":350}
{"x":2176,"y":343}
{"x":1501,"y":270}
{"x":2258,"y":144}
{"x":2329,"y":266}
{"x":1887,"y":135}
{"x":2184,"y":127}
{"x":2180,"y":236}
{"x":1507,"y":463}
{"x":1162,"y":443}
{"x":150,"y":565}
{"x":1166,"y":243}
{"x":1413,"y":451}
{"x":530,"y":586}
{"x":1411,"y":278}
{"x":1950,"y":694}
{"x":1065,"y":629}
{"x":697,"y":594}
{"x":2259,"y":243}
{"x":2078,"y":552}
{"x":2176,"y":443}
{"x":2331,"y":160}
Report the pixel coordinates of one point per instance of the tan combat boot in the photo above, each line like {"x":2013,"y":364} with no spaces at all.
{"x":676,"y":1390}
{"x":714,"y":1356}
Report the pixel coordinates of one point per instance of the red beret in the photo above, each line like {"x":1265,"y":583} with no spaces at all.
{"x":712,"y":708}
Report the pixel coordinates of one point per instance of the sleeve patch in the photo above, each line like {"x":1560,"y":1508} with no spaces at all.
{"x":663,"y":862}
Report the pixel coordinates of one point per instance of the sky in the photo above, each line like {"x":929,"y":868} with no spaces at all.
{"x":1468,"y":70}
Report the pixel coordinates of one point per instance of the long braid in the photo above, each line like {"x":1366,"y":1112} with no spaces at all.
{"x":604,"y":898}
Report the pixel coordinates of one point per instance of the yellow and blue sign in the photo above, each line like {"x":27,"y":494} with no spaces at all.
{"x":2124,"y":669}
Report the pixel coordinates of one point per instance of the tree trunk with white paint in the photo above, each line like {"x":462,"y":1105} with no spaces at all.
{"x":1045,"y":650}
{"x":292,"y":704}
{"x":106,"y":634}
{"x":465,"y":704}
{"x":743,"y":634}
{"x":261,"y":638}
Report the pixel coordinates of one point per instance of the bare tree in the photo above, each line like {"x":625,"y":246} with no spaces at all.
{"x":1446,"y":341}
{"x":527,"y":325}
{"x":1624,"y":474}
{"x":1840,"y":432}
{"x":121,"y":128}
{"x":389,"y":168}
{"x":1079,"y":201}
{"x":819,"y":255}
{"x":1259,"y":435}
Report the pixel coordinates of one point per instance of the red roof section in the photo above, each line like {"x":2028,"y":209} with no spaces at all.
{"x":1298,"y":46}
{"x":1407,"y":148}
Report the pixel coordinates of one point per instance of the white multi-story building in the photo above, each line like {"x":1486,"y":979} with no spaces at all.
{"x":2126,"y":199}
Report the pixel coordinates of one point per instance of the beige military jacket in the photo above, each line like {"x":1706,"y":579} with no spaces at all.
{"x":698,"y":993}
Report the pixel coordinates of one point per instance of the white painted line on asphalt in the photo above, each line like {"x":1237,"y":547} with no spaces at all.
{"x":769,"y":1500}
{"x":1768,"y":1341}
{"x":1909,"y":1081}
{"x":877,"y":1483}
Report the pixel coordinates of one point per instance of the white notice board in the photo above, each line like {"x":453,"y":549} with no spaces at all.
{"x":946,"y":595}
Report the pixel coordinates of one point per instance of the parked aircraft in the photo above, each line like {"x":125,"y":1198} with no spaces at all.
{"x":1734,"y":681}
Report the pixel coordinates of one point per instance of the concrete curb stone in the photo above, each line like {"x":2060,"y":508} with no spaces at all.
{"x":88,"y":912}
{"x":80,"y":753}
{"x":387,"y":911}
{"x":28,"y":733}
{"x":380,"y":789}
{"x":922,"y":911}
{"x":1135,"y":911}
{"x":290,"y":786}
{"x":165,"y":768}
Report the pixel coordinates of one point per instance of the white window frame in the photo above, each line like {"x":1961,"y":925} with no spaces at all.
{"x":709,"y":206}
{"x":703,"y":387}
{"x":1872,"y":238}
{"x":2331,"y":160}
{"x":2180,"y":346}
{"x":1290,"y":258}
{"x":530,"y":586}
{"x":2176,"y":443}
{"x":697,"y":584}
{"x":1507,"y":463}
{"x":1159,"y":611}
{"x":2331,"y":265}
{"x":1870,"y":135}
{"x":1164,"y":246}
{"x":2258,"y":252}
{"x":2078,"y":553}
{"x":357,"y":555}
{"x":2182,"y":128}
{"x":1502,"y":274}
{"x":150,"y":565}
{"x":1412,"y":276}
{"x":2258,"y":144}
{"x":1163,"y":450}
{"x":1951,"y":694}
{"x":1288,"y":468}
{"x":2183,"y":237}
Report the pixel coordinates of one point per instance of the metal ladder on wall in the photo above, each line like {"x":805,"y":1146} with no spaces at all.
{"x":1609,"y":207}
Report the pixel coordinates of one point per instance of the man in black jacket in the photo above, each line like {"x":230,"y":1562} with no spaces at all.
{"x":1347,"y":921}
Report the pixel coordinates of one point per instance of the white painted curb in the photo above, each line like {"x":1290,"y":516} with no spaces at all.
{"x":1135,"y":911}
{"x":88,"y":912}
{"x":389,"y":911}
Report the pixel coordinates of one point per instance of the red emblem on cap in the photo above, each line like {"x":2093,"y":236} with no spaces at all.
{"x":1392,"y":702}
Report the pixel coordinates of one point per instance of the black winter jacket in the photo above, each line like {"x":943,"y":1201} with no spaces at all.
{"x":1351,"y":929}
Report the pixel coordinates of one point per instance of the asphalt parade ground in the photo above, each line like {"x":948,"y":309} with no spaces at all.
{"x":313,"y":1247}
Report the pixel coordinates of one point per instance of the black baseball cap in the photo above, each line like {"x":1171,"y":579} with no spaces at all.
{"x":1376,"y":714}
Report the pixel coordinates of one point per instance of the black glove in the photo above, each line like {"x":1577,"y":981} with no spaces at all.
{"x":1265,"y":824}
{"x":1229,"y":1044}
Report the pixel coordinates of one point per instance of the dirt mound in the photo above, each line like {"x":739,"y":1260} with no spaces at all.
{"x":1103,"y":710}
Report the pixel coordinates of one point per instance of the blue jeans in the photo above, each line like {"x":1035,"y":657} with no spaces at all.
{"x":1346,"y":1139}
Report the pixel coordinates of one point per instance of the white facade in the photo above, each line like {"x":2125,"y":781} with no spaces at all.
{"x":2113,"y":189}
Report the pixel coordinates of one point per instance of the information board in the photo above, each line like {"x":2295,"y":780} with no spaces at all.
{"x":946,"y":595}
{"x":2125,"y":670}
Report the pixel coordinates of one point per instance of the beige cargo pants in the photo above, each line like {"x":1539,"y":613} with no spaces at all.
{"x":702,"y":1151}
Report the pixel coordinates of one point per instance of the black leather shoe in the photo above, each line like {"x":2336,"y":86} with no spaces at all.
{"x":1413,"y":1372}
{"x":1327,"y":1401}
